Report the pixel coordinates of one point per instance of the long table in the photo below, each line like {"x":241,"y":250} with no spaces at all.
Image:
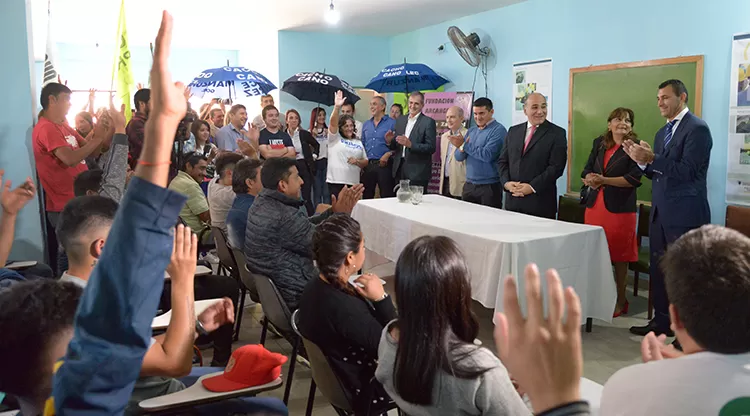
{"x":497,"y":243}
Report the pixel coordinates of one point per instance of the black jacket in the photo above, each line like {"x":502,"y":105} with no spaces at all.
{"x":417,"y":162}
{"x":310,"y":146}
{"x":616,"y":199}
{"x":540,"y":166}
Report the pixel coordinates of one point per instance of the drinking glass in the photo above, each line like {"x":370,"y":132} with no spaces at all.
{"x":416,"y":194}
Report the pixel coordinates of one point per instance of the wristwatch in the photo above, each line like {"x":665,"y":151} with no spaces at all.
{"x":199,"y":328}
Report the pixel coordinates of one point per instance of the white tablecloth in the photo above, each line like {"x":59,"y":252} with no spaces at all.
{"x":497,"y":243}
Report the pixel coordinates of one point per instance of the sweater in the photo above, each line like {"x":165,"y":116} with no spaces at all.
{"x":492,"y":393}
{"x":481,"y":152}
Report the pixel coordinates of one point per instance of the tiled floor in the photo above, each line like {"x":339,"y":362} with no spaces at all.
{"x":606,"y":349}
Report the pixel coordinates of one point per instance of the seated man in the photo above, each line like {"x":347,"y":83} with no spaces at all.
{"x":278,"y":236}
{"x":195,"y":212}
{"x":246,"y":185}
{"x":220,"y":193}
{"x":707,"y":275}
{"x":83,"y":231}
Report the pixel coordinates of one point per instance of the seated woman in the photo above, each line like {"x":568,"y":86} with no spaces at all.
{"x":428,"y":362}
{"x":612,"y":178}
{"x":343,"y":320}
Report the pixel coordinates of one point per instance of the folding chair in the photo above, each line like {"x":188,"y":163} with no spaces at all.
{"x":228,"y":265}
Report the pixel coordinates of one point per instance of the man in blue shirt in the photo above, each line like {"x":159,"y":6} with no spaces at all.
{"x":481,"y":149}
{"x":246,"y":185}
{"x":227,"y":137}
{"x":379,"y":172}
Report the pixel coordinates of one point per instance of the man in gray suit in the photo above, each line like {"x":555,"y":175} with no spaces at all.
{"x":414,"y":144}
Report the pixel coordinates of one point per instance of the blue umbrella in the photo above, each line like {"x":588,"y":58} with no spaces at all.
{"x":406,"y":78}
{"x":230,"y":82}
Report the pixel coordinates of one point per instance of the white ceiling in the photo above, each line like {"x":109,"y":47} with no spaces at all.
{"x":233,"y":24}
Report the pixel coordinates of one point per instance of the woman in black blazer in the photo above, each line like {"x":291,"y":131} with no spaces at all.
{"x":612,"y":178}
{"x":305,"y":145}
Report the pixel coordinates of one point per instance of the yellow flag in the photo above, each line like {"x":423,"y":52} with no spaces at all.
{"x":122,"y":64}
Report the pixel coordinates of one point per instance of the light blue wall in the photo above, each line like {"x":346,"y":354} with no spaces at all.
{"x":17,"y":110}
{"x":578,"y":33}
{"x":355,"y":59}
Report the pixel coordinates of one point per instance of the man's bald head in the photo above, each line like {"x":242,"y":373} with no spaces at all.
{"x":535,"y":108}
{"x":454,"y":117}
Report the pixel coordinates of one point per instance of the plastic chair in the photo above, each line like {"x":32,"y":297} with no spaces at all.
{"x":643,"y":264}
{"x":246,"y":278}
{"x":324,"y":378}
{"x":738,"y":218}
{"x":570,"y":210}
{"x":228,"y":264}
{"x":277,"y":314}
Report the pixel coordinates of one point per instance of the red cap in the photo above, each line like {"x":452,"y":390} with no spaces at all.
{"x":249,"y":366}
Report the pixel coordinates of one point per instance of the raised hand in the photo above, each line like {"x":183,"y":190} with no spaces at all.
{"x":217,"y":315}
{"x":117,"y":117}
{"x":339,"y":99}
{"x":168,"y":98}
{"x":13,"y":201}
{"x":543,"y":354}
{"x":184,"y":258}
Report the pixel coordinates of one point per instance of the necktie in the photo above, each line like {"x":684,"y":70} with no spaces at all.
{"x":670,"y":132}
{"x":528,"y":138}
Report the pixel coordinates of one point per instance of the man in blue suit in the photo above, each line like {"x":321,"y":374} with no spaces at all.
{"x":677,"y":167}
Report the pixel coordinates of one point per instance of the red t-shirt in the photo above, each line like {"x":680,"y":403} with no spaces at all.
{"x":57,"y":178}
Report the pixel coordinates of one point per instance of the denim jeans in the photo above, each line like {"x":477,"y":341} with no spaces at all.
{"x":321,"y":195}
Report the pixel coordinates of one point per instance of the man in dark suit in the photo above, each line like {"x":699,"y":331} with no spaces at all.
{"x":677,"y":167}
{"x":414,"y":144}
{"x":532,"y":159}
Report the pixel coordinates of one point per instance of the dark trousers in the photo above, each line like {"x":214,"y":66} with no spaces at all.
{"x":382,"y":177}
{"x":660,"y":237}
{"x":211,"y":287}
{"x":335,"y":188}
{"x":307,"y":185}
{"x":320,"y":191}
{"x":490,"y":195}
{"x":447,"y":188}
{"x":412,"y":182}
{"x":52,"y":243}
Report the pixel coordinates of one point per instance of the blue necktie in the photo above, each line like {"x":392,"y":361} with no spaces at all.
{"x":670,"y":132}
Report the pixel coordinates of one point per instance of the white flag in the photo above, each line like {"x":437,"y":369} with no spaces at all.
{"x":50,"y":71}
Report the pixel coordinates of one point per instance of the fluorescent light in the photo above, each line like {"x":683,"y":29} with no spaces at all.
{"x":332,"y":15}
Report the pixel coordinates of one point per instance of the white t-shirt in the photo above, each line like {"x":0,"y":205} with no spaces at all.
{"x":339,"y":151}
{"x":322,"y":140}
{"x":704,"y":383}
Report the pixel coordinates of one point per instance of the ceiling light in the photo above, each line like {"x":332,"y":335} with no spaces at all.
{"x":332,"y":15}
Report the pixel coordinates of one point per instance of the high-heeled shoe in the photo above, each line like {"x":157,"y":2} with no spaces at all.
{"x":623,"y":311}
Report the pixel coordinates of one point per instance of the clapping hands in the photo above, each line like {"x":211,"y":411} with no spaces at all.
{"x":347,"y":198}
{"x":13,"y":201}
{"x":640,"y":152}
{"x":593,"y":180}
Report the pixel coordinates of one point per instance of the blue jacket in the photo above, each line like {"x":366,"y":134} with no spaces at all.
{"x":481,"y":152}
{"x":113,"y":322}
{"x":678,"y":174}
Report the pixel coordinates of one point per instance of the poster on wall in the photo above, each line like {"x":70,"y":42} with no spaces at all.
{"x":530,"y":77}
{"x":738,"y":150}
{"x":436,"y":104}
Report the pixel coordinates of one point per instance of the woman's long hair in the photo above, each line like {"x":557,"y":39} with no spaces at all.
{"x":435,"y":318}
{"x":619,"y":112}
{"x":342,"y":122}
{"x":314,"y":117}
{"x":332,"y":241}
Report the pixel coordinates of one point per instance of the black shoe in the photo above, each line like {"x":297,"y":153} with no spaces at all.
{"x":652,"y":326}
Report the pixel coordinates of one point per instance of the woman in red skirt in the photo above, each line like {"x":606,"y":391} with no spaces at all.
{"x":612,"y":178}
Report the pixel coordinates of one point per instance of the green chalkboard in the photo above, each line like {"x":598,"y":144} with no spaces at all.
{"x":597,"y":90}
